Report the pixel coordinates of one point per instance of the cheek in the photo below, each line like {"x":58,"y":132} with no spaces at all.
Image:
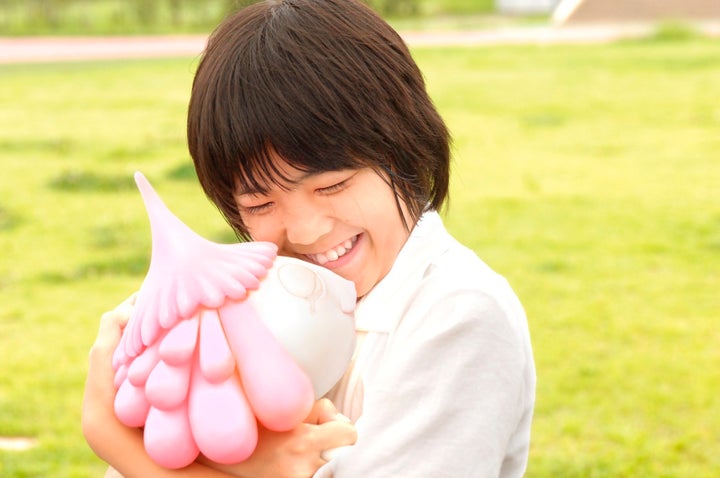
{"x":263,"y":230}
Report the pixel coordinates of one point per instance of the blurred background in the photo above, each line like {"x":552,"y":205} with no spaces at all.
{"x":62,"y":17}
{"x":586,"y":170}
{"x":163,"y":16}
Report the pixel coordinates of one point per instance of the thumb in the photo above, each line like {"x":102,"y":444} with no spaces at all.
{"x":113,"y":322}
{"x":324,"y":411}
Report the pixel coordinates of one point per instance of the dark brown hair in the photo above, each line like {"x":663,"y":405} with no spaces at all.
{"x":325,"y":84}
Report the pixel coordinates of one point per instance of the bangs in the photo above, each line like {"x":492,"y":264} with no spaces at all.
{"x":259,"y":173}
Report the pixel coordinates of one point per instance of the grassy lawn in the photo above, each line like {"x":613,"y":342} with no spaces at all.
{"x":588,"y":175}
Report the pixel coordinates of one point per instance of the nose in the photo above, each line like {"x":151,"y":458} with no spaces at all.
{"x":305,"y":223}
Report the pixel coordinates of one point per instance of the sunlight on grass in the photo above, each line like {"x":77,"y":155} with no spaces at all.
{"x":587,"y":175}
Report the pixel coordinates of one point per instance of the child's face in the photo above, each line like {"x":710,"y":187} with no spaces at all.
{"x":346,"y":221}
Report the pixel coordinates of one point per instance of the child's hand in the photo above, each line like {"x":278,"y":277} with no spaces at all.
{"x":99,"y":388}
{"x":112,"y":324}
{"x":297,"y":453}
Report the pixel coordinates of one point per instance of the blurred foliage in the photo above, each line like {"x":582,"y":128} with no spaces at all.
{"x":28,"y":17}
{"x":396,"y":7}
{"x":674,"y":31}
{"x":36,"y":17}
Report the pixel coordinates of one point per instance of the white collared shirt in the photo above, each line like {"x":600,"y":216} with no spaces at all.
{"x":442,"y":383}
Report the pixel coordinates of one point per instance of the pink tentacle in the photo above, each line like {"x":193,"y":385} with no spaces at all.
{"x":120,"y":375}
{"x":279,"y":391}
{"x":131,"y":405}
{"x":167,"y":386}
{"x":147,"y":316}
{"x":142,"y":365}
{"x":208,"y":290}
{"x":185,"y":300}
{"x":216,"y":360}
{"x":178,"y":345}
{"x":169,"y":439}
{"x":167,"y":310}
{"x":222,"y":422}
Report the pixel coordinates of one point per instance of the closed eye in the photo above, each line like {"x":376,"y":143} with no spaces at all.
{"x":258,"y":209}
{"x":337,"y":187}
{"x":334,"y":188}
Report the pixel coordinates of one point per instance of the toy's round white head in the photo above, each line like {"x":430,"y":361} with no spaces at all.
{"x":309,"y":311}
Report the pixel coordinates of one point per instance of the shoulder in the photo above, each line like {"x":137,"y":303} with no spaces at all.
{"x":461,"y":293}
{"x":459,"y":276}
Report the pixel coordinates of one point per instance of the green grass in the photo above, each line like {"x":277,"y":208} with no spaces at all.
{"x":588,"y":175}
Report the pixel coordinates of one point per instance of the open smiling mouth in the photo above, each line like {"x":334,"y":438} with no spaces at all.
{"x":333,"y":254}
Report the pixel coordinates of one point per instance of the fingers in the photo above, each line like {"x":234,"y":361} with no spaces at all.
{"x":323,"y":410}
{"x":124,"y":310}
{"x":112,"y":323}
{"x":131,"y":299}
{"x":334,"y":434}
{"x":333,"y":431}
{"x":99,"y":386}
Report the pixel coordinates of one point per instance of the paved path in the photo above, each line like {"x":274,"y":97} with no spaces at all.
{"x":49,"y":49}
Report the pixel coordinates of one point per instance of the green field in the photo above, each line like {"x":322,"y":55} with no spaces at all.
{"x":588,"y":175}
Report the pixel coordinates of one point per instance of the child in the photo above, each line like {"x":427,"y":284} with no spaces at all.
{"x":310,"y":127}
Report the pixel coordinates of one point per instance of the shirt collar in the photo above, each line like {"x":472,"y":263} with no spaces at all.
{"x":382,"y":307}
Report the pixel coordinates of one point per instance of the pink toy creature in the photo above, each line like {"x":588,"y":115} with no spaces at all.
{"x":223,"y":336}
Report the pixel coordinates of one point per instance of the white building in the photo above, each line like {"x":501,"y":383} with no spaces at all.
{"x":569,"y":11}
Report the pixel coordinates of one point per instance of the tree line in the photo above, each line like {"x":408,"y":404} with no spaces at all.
{"x":60,"y":15}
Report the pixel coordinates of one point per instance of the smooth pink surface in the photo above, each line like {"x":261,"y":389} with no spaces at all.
{"x":204,"y":357}
{"x":280,"y":393}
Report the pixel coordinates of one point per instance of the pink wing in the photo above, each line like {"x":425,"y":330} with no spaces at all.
{"x":195,"y":365}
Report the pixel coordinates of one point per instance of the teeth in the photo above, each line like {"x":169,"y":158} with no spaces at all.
{"x":334,"y":253}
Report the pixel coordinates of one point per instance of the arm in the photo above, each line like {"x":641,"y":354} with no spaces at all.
{"x":449,"y":397}
{"x":294,"y":453}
